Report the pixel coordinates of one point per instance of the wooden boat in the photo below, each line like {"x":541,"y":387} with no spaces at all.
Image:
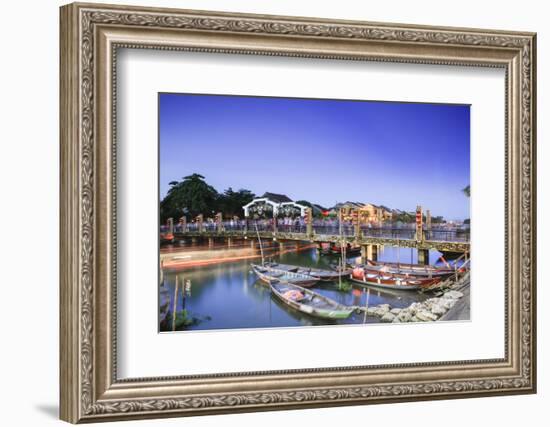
{"x":318,"y":273}
{"x":407,"y":269}
{"x":390,"y":281}
{"x":335,"y":250}
{"x":166,"y":237}
{"x":272,"y":275}
{"x":309,"y":302}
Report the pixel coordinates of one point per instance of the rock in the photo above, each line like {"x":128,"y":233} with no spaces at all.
{"x":448,"y":303}
{"x":404,"y":316}
{"x":415,"y":306}
{"x":396,"y":320}
{"x":395,"y":311}
{"x":387,"y":318}
{"x":426,"y":316}
{"x":381,"y":310}
{"x":438,"y":309}
{"x":371,"y":311}
{"x":414,"y":319}
{"x":453,"y":294}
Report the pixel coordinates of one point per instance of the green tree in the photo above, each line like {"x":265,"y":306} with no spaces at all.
{"x":231,"y":202}
{"x":466,"y":191}
{"x":405,"y":217}
{"x":191,"y":196}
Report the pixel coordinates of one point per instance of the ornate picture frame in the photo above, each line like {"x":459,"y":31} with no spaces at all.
{"x":90,"y":37}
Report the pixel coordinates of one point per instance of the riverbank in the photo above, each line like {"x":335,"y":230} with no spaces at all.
{"x":452,"y":304}
{"x":461,"y":310}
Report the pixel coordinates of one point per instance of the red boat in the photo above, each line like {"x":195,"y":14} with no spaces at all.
{"x":417,"y":270}
{"x":363,"y":277}
{"x":166,"y":237}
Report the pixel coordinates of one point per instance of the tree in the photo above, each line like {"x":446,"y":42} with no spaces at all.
{"x":438,"y":219}
{"x":466,"y":191}
{"x":231,"y":202}
{"x":405,"y":217}
{"x":191,"y":196}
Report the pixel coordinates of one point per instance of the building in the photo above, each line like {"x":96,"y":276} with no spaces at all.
{"x":369,"y":212}
{"x":272,"y":205}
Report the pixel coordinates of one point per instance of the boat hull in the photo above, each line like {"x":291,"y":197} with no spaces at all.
{"x":270,"y":275}
{"x":385,"y":286}
{"x":407,"y":269}
{"x":317,"y":273}
{"x":336,"y":312}
{"x":391,"y":281}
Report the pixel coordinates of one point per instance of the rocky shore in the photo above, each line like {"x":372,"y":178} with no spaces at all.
{"x":429,"y":310}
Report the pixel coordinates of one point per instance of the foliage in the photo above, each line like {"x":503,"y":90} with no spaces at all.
{"x":345,"y":287}
{"x":405,"y":217}
{"x":466,"y":191}
{"x":183,"y":319}
{"x":193,"y":196}
{"x":231,"y":202}
{"x":438,"y":220}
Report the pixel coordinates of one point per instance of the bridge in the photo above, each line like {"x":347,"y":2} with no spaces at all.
{"x":369,"y":239}
{"x":289,"y":221}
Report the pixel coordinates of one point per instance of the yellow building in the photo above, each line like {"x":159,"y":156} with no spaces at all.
{"x":368,"y":212}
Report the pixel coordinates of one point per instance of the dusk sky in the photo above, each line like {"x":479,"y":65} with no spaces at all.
{"x":324,"y":151}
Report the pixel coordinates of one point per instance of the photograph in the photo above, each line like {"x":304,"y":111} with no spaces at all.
{"x":295,"y":212}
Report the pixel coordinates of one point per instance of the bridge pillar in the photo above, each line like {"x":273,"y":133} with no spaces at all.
{"x":229,"y":242}
{"x":428,"y":220}
{"x":369,"y":252}
{"x":252,"y":244}
{"x":356,"y":216}
{"x":374,"y":252}
{"x":423,"y":256}
{"x":170,"y":224}
{"x":309,"y":221}
{"x":419,"y":235}
{"x":183,"y":224}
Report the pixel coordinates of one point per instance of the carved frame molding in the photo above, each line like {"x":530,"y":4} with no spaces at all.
{"x":90,"y":37}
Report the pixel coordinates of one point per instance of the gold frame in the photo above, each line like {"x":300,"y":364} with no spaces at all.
{"x":90,"y":36}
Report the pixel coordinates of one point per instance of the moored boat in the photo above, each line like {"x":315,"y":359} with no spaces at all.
{"x":336,"y":250}
{"x":318,"y":273}
{"x":272,"y":275}
{"x":166,"y":237}
{"x":390,"y":281}
{"x":309,"y":302}
{"x":407,"y":269}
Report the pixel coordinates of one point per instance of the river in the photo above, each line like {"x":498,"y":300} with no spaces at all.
{"x":228,"y":295}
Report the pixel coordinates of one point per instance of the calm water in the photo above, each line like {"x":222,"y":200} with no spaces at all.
{"x":229,"y":295}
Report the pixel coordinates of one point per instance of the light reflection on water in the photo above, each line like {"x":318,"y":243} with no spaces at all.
{"x":229,"y":296}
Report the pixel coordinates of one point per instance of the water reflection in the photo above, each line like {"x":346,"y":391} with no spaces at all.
{"x":229,"y":296}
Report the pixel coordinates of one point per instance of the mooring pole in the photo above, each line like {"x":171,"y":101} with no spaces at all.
{"x":175,"y":305}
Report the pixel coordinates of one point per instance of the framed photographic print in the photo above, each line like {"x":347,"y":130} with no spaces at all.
{"x":263,"y":212}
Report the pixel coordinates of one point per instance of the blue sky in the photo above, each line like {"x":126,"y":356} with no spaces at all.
{"x":323,"y":151}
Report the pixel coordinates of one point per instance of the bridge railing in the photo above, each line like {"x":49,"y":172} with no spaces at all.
{"x":447,"y":235}
{"x":406,"y":232}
